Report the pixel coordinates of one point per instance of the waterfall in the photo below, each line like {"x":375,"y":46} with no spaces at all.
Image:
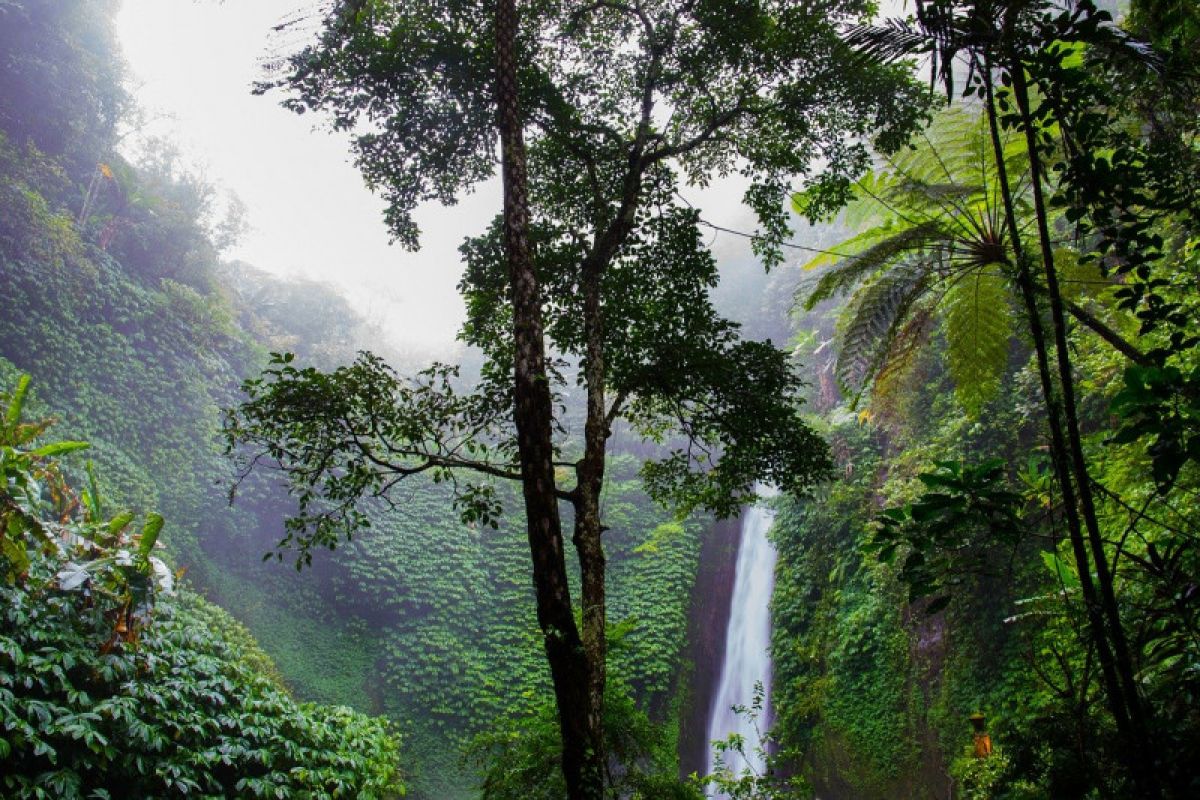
{"x":747,"y":640}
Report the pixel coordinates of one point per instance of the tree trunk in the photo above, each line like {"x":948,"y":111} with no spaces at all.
{"x":1116,"y":632}
{"x":588,"y":526}
{"x":1119,"y":343}
{"x":533,"y":415}
{"x":1058,"y":454}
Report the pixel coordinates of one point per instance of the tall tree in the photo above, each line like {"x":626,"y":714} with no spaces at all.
{"x":621,"y":103}
{"x":578,"y":682}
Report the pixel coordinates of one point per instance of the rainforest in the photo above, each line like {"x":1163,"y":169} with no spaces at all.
{"x":639,"y":399}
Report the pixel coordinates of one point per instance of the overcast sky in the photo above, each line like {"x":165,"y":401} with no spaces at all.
{"x":191,"y":66}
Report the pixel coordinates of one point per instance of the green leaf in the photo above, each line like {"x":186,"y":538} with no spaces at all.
{"x":13,"y":415}
{"x":120,"y":522}
{"x":1066,"y":575}
{"x":877,"y":309}
{"x":150,"y":531}
{"x":60,"y":448}
{"x":978,"y":325}
{"x":91,"y":497}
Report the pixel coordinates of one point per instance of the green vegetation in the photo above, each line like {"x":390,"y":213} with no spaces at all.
{"x":137,"y":333}
{"x":1005,"y":390}
{"x":1016,"y":527}
{"x":113,"y":681}
{"x":594,"y":272}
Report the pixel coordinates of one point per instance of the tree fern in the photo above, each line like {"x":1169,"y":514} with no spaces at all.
{"x":876,"y":312}
{"x":844,"y":275}
{"x":893,"y":375}
{"x":978,"y":324}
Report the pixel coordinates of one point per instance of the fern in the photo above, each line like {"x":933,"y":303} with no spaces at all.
{"x":956,"y":148}
{"x":842,"y":277}
{"x":978,"y":324}
{"x":933,"y":212}
{"x":849,"y":248}
{"x":876,"y":312}
{"x":901,"y":357}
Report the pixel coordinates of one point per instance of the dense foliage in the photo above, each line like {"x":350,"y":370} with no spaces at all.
{"x":1024,"y":547}
{"x":1026,"y":269}
{"x":136,"y":333}
{"x":113,"y":681}
{"x":594,"y":260}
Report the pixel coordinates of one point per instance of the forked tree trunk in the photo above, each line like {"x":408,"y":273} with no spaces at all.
{"x":582,"y":760}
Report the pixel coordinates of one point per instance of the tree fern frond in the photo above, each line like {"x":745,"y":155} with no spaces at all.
{"x":876,"y":312}
{"x":978,"y":323}
{"x":923,"y":193}
{"x":870,"y":204}
{"x":902,"y":355}
{"x":844,"y":276}
{"x":862,"y":208}
{"x":949,"y":150}
{"x":849,"y":248}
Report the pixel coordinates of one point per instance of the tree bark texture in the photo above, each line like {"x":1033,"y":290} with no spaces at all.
{"x":590,"y":474}
{"x":582,"y":759}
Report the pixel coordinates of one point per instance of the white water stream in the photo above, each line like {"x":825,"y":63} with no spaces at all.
{"x":747,"y":640}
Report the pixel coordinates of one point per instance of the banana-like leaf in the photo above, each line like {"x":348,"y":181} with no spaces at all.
{"x":120,"y":522}
{"x":13,"y":415}
{"x":150,"y":531}
{"x":91,"y":497}
{"x":60,"y":448}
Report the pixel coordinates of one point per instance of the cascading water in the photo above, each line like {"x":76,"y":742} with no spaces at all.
{"x":747,"y":660}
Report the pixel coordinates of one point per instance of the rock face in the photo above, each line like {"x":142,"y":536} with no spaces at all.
{"x":711,"y":597}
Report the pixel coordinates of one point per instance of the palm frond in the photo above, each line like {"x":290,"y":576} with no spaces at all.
{"x":889,"y":41}
{"x":1118,"y":45}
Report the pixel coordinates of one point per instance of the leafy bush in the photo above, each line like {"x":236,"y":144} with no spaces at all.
{"x":114,"y":683}
{"x":520,"y":756}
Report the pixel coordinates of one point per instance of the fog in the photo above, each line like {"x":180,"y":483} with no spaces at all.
{"x":191,"y":67}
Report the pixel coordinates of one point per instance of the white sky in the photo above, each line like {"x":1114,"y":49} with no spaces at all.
{"x":191,"y":66}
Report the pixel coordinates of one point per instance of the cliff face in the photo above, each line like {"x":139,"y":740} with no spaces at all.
{"x":707,"y":622}
{"x":838,"y":770}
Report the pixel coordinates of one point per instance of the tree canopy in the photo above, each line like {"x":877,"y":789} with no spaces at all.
{"x":604,"y":110}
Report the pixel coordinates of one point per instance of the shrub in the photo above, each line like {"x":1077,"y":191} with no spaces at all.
{"x":115,"y":683}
